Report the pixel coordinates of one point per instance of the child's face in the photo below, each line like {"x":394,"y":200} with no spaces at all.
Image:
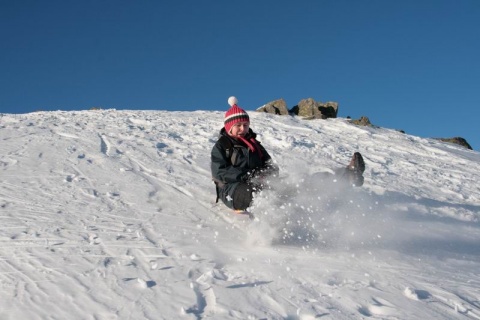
{"x":239,"y":129}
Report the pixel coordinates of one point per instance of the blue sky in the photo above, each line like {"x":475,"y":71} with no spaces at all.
{"x":410,"y":65}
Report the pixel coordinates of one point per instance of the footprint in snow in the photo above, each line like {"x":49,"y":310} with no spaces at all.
{"x":415,"y":294}
{"x":379,"y":307}
{"x":144,"y":284}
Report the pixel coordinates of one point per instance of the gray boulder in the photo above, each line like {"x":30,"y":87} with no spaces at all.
{"x":311,"y":109}
{"x":457,"y":140}
{"x":278,"y":107}
{"x":363,"y":121}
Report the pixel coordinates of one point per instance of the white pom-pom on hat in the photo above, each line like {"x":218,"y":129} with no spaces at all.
{"x":232,"y":101}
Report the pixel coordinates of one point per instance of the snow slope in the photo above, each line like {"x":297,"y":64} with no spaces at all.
{"x":111,"y":215}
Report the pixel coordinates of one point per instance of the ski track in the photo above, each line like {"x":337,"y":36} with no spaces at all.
{"x":136,"y":225}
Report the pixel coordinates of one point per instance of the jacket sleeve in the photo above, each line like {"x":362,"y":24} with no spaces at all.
{"x":222,"y":169}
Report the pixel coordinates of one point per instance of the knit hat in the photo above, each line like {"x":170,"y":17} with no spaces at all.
{"x":235,"y":114}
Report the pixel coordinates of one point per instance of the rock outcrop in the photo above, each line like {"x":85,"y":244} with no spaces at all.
{"x":457,"y":140}
{"x":278,"y":107}
{"x":363,"y":121}
{"x":306,"y":108}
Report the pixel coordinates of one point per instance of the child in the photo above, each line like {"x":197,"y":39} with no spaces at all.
{"x":239,"y":161}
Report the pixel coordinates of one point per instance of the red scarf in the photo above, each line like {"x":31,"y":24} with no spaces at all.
{"x":252,"y":144}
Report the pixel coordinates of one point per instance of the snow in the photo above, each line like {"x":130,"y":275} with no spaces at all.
{"x":111,"y":214}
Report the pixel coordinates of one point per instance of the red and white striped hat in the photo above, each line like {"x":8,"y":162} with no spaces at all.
{"x":235,"y":114}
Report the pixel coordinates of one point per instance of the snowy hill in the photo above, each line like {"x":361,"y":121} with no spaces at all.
{"x":110,"y":215}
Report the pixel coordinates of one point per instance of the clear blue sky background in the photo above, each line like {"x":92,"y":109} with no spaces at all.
{"x":411,"y":65}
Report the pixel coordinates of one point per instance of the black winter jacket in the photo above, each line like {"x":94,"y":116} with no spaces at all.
{"x":247,"y":164}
